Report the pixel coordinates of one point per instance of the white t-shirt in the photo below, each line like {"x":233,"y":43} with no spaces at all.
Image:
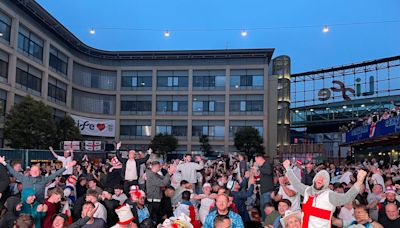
{"x":130,"y":170}
{"x":346,"y":177}
{"x":205,"y":208}
{"x":65,"y":161}
{"x":346,"y":215}
{"x":295,"y":200}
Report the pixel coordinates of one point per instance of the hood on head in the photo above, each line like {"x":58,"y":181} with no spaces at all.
{"x":326,"y":177}
{"x":12,"y":203}
{"x":26,"y":193}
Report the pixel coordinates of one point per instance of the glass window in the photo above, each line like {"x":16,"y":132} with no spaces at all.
{"x":30,"y":44}
{"x":28,"y":77}
{"x":58,"y":61}
{"x":5,"y":27}
{"x":138,"y":80}
{"x":220,"y":81}
{"x":258,"y":80}
{"x":197,"y":106}
{"x":135,"y":128}
{"x":57,"y":91}
{"x":93,"y":103}
{"x":235,"y":81}
{"x":3,"y":66}
{"x":211,"y":106}
{"x":172,"y":79}
{"x":242,"y":106}
{"x":247,"y":78}
{"x":94,"y":78}
{"x":135,"y":105}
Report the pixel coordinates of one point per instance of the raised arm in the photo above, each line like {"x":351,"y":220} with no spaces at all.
{"x":54,"y":153}
{"x":16,"y":174}
{"x":57,"y":173}
{"x":118,"y":153}
{"x":338,"y":199}
{"x":144,"y":160}
{"x":297,"y":185}
{"x":72,"y":154}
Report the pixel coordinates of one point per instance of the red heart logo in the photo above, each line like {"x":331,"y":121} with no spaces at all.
{"x":100,"y":126}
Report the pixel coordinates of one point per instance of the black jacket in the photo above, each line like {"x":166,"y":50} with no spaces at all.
{"x":112,"y":217}
{"x":124,"y":160}
{"x":8,"y":219}
{"x":113,"y":178}
{"x":307,"y":178}
{"x":4,"y":185}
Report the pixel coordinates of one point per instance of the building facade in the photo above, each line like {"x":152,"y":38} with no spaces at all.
{"x":184,"y":93}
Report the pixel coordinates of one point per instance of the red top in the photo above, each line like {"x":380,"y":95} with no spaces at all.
{"x":52,"y":210}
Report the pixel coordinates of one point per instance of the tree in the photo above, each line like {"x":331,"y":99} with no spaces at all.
{"x":30,"y":124}
{"x":204,"y":144}
{"x":248,"y":140}
{"x":67,"y":130}
{"x":163,"y":144}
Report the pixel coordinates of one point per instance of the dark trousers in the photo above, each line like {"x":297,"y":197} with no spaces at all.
{"x":155,"y":211}
{"x":128,"y":184}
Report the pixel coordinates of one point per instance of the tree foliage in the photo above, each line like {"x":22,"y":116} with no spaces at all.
{"x":248,"y":140}
{"x":163,"y":144}
{"x":67,"y":130}
{"x":30,"y":125}
{"x":204,"y":144}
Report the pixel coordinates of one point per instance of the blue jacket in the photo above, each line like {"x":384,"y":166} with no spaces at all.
{"x":236,"y":220}
{"x":31,"y":209}
{"x":239,"y":198}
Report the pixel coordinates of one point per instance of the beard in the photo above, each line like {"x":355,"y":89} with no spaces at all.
{"x":315,"y":187}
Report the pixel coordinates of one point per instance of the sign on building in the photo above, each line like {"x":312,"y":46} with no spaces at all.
{"x":95,"y":127}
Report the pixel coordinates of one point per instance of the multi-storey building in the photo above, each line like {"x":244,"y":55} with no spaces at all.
{"x":184,"y":93}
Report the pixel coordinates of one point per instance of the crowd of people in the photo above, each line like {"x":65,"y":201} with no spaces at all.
{"x":142,"y":190}
{"x":371,"y":119}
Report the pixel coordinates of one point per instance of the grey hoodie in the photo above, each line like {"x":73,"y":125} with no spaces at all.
{"x":336,"y":199}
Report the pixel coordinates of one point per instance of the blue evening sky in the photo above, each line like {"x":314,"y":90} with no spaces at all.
{"x":309,"y":48}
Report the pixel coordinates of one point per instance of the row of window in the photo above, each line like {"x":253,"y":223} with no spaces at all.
{"x":32,"y":46}
{"x":177,"y":105}
{"x":179,"y":128}
{"x":29,"y":79}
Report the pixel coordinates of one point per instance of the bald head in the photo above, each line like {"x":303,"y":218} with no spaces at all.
{"x":392,"y":212}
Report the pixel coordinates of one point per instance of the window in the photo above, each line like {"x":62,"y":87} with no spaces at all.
{"x":94,"y":78}
{"x":5,"y":27}
{"x":3,"y":101}
{"x":57,"y":91}
{"x":130,"y":129}
{"x":58,"y":114}
{"x":246,"y":103}
{"x":210,"y":79}
{"x":136,"y":105}
{"x":58,"y":61}
{"x":172,"y":127}
{"x":3,"y":66}
{"x":242,"y":79}
{"x":236,"y":125}
{"x":28,"y":77}
{"x":30,"y":44}
{"x":172,"y":104}
{"x":208,"y":105}
{"x":138,"y":80}
{"x":93,"y":103}
{"x":215,"y":129}
{"x":172,"y":80}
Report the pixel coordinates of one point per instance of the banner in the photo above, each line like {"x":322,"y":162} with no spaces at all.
{"x":93,"y":145}
{"x":95,"y":127}
{"x":74,"y":145}
{"x":380,"y":128}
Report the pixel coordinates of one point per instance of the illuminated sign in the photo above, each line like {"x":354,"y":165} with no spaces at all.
{"x":346,"y":92}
